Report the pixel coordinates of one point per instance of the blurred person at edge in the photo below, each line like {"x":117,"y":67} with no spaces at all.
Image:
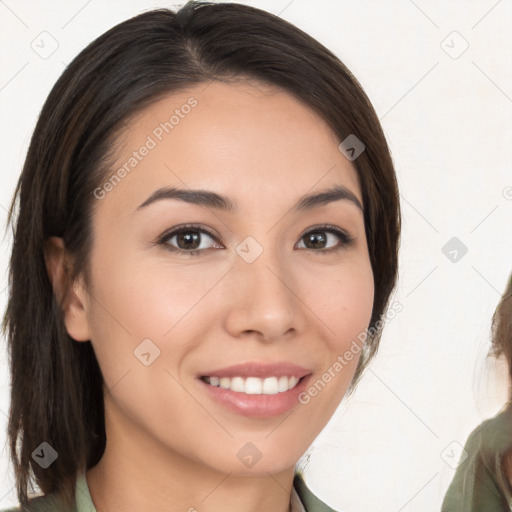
{"x":483,"y":480}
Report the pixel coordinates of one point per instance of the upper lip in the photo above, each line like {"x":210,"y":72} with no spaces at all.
{"x":255,"y":369}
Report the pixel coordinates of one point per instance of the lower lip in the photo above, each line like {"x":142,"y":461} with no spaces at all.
{"x":257,"y":406}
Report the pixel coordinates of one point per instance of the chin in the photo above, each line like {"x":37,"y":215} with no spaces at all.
{"x":256,"y":459}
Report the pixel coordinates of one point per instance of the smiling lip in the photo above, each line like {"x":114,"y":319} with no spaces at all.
{"x":257,"y":405}
{"x":261,"y":370}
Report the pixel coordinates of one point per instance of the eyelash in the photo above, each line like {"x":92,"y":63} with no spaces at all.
{"x":345,"y":239}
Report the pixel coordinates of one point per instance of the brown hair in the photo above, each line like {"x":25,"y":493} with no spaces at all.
{"x":502,"y":347}
{"x":502,"y":332}
{"x":56,"y":383}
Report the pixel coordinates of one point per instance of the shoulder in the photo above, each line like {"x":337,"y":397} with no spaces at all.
{"x":39,"y":504}
{"x":491,"y":438}
{"x":500,"y":421}
{"x":476,"y":483}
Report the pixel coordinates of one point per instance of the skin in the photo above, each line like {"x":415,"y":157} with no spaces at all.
{"x":169,"y":446}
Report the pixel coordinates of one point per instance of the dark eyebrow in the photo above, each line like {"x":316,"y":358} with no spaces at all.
{"x":213,"y":200}
{"x":199,"y":197}
{"x":335,"y":193}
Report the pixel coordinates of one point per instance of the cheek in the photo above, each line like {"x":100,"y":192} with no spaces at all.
{"x":142,"y":306}
{"x":141,"y":298}
{"x":343,"y":301}
{"x":143,"y":317}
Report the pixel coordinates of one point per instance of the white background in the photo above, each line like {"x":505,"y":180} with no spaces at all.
{"x":449,"y":124}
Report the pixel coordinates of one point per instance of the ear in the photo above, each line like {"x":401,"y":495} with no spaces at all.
{"x":70,"y":295}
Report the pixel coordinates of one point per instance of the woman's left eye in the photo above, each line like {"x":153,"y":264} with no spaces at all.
{"x":190,"y":240}
{"x":320,"y":237}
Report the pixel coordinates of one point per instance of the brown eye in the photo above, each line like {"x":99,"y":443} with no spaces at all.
{"x":190,"y":240}
{"x":316,"y":240}
{"x":323,"y":239}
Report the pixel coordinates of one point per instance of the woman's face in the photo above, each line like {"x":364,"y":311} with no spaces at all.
{"x":256,"y":294}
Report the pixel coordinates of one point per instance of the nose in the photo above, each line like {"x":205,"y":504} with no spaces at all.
{"x":264,"y":300}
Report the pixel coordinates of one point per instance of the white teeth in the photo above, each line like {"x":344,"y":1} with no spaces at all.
{"x":282,"y":385}
{"x":237,"y":384}
{"x":254,"y":385}
{"x":270,"y":386}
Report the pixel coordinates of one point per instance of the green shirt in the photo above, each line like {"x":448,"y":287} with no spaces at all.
{"x":302,"y":499}
{"x":475,"y":486}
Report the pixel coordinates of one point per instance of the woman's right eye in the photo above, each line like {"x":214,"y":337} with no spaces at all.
{"x":188,"y":240}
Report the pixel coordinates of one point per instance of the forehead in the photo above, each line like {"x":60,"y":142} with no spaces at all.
{"x":249,"y":141}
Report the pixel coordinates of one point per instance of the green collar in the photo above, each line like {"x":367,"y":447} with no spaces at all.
{"x":308,"y":501}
